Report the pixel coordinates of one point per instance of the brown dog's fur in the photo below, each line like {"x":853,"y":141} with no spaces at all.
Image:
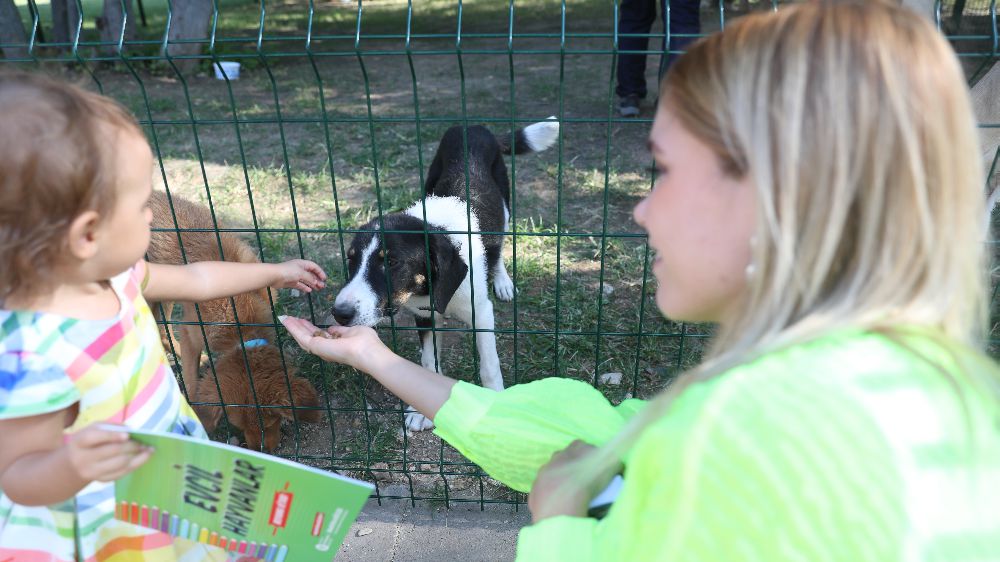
{"x":270,"y":386}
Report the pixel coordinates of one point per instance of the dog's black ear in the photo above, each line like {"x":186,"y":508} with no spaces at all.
{"x":448,"y":270}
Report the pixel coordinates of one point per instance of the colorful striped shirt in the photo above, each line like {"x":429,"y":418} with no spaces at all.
{"x":848,"y":448}
{"x":117,"y":371}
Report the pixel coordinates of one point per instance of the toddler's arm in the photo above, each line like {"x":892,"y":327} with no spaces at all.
{"x":38,"y":468}
{"x":207,"y":280}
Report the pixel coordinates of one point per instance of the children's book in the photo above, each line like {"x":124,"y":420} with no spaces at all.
{"x":239,"y":500}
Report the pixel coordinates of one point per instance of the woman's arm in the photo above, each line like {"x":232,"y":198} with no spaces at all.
{"x":37,"y":468}
{"x":360,"y":347}
{"x":206,"y":280}
{"x":510,"y":434}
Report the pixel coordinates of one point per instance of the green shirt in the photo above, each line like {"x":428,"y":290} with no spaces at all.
{"x":849,"y":447}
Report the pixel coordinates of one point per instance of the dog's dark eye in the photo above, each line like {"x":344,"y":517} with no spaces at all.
{"x":391,"y":261}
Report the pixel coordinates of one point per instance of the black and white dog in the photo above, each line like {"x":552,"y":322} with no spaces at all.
{"x":433,"y":253}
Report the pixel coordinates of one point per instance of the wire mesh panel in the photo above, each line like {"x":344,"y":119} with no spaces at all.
{"x":332,"y":122}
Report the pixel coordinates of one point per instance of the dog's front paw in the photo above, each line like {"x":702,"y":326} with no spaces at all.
{"x":503,"y":288}
{"x":415,"y":421}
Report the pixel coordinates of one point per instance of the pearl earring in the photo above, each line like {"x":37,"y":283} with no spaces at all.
{"x":751,"y":268}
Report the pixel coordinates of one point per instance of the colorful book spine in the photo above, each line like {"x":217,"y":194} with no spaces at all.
{"x":152,"y":517}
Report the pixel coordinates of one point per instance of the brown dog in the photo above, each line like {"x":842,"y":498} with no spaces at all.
{"x":270,"y":386}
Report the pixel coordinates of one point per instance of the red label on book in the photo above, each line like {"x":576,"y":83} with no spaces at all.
{"x":279,"y":509}
{"x":317,"y":524}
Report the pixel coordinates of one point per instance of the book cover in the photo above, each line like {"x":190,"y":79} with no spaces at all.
{"x":239,"y":500}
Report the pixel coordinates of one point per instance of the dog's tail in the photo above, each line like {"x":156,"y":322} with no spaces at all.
{"x":533,"y":138}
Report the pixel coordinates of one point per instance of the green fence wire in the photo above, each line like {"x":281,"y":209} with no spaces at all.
{"x":336,"y":111}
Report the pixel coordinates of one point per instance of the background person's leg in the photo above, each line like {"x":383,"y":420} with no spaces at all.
{"x":634,"y":16}
{"x":683,"y":19}
{"x":684,"y":23}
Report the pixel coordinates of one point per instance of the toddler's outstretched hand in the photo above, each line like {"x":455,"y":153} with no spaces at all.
{"x":303,"y":275}
{"x":105,"y":456}
{"x":356,"y":346}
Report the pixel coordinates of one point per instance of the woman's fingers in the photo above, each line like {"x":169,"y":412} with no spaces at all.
{"x":340,"y":344}
{"x":299,"y":328}
{"x":311,"y":338}
{"x":339,"y":331}
{"x":573,"y":451}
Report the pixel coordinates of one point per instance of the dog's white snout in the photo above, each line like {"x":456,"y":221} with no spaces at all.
{"x":356,"y":304}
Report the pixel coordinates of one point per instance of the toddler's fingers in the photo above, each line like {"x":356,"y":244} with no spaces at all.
{"x":91,"y":437}
{"x":139,"y":459}
{"x":131,"y":448}
{"x":316,"y":270}
{"x":118,"y":466}
{"x":108,"y":452}
{"x":315,"y":278}
{"x":111,"y":461}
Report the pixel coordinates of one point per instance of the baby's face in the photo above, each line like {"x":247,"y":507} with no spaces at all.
{"x":124,"y":234}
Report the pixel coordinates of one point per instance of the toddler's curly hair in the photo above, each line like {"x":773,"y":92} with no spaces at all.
{"x":57,"y":160}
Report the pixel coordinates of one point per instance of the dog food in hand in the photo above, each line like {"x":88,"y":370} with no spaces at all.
{"x":324,"y":334}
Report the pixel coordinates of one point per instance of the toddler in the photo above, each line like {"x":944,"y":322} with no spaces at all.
{"x":78,"y":343}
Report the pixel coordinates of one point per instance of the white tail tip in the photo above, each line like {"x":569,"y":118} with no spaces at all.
{"x":543,"y":134}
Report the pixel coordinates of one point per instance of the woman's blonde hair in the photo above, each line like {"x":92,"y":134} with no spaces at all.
{"x":852,"y":120}
{"x":57,"y":160}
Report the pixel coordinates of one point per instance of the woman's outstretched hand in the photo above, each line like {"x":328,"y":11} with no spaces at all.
{"x":359,"y":347}
{"x":355,"y":345}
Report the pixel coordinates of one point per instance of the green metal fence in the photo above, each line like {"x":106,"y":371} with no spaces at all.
{"x":332,"y":121}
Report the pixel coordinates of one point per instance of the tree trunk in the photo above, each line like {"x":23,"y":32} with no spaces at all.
{"x":12,"y":31}
{"x":189,"y":20}
{"x":110,"y":24}
{"x":65,"y":18}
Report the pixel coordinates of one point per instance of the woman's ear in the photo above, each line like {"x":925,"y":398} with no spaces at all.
{"x":81,"y":239}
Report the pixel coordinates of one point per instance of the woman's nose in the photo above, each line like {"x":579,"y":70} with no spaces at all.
{"x":639,"y":213}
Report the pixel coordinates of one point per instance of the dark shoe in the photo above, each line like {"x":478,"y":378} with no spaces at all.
{"x":628,"y":106}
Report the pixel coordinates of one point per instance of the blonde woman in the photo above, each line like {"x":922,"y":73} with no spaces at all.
{"x":819,"y":198}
